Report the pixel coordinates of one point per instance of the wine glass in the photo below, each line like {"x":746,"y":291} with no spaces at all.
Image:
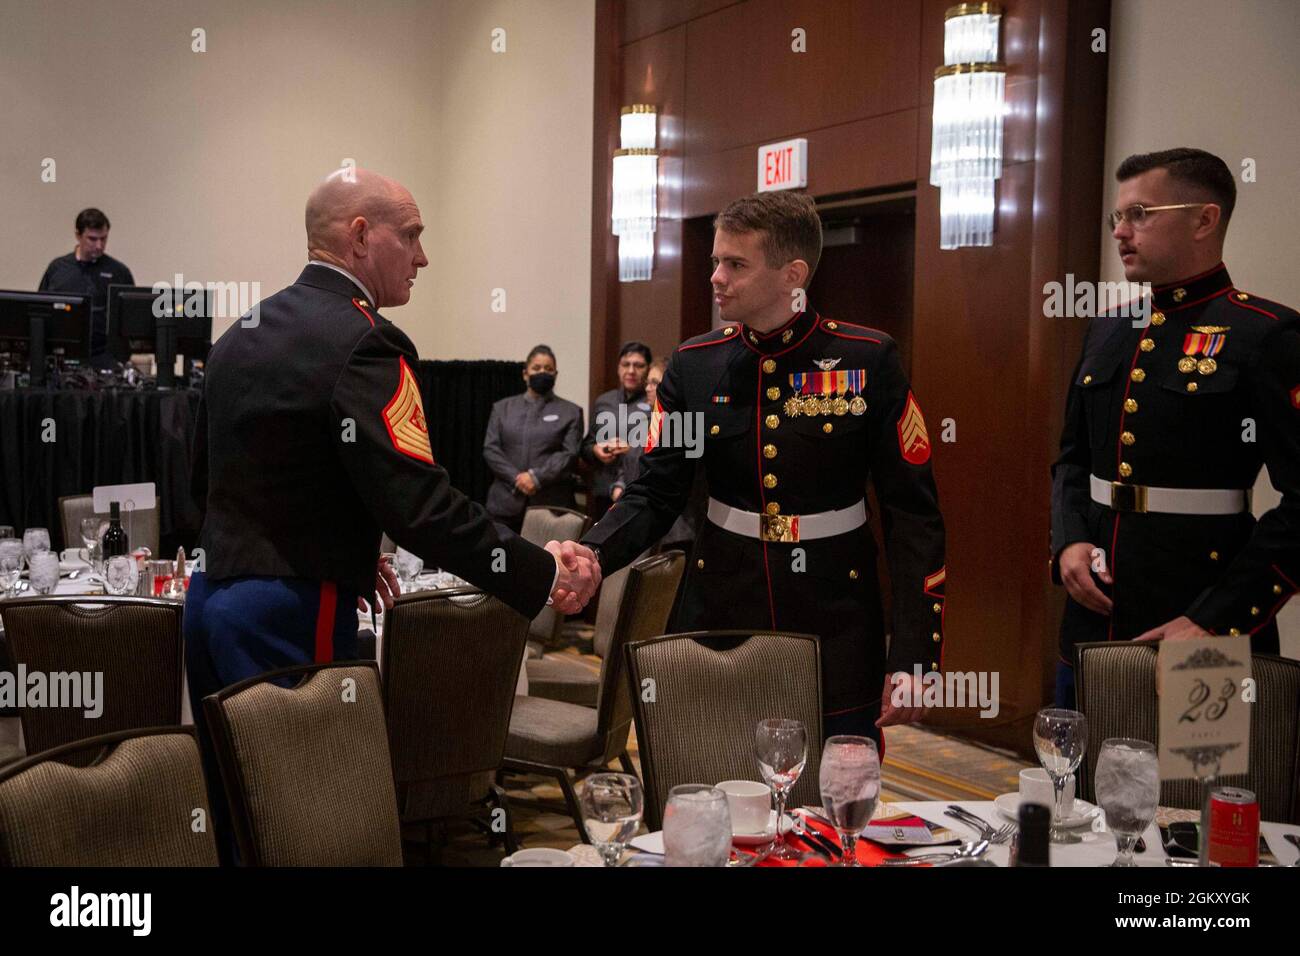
{"x":850,"y":784}
{"x":781,"y":747}
{"x":697,"y":826}
{"x":11,"y":570}
{"x":612,"y":804}
{"x":1128,"y":789}
{"x":1060,"y":740}
{"x":92,"y":529}
{"x":35,"y":540}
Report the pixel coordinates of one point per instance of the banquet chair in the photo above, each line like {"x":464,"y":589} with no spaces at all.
{"x":700,"y":698}
{"x":141,"y":526}
{"x":306,"y":768}
{"x":135,"y":643}
{"x":130,"y":798}
{"x":450,"y":662}
{"x":543,"y":524}
{"x":1116,"y":688}
{"x":567,"y":677}
{"x":552,"y":737}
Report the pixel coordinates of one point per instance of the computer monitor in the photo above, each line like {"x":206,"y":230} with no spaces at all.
{"x":167,"y":323}
{"x":45,"y":323}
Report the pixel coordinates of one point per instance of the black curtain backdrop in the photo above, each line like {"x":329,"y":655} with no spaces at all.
{"x":458,"y":399}
{"x":119,"y":436}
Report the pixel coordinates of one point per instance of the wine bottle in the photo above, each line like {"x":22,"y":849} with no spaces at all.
{"x":115,"y":541}
{"x":1034,"y":837}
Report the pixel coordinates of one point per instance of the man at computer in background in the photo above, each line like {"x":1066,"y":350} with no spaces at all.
{"x":89,"y":270}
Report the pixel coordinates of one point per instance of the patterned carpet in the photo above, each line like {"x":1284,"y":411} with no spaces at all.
{"x":919,"y":765}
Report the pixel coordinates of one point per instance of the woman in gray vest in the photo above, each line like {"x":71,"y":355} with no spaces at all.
{"x":531,"y":445}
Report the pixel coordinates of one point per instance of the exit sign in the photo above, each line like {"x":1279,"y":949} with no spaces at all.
{"x":783,"y":165}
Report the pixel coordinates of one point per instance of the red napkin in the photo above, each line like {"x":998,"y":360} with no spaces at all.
{"x":869,"y":854}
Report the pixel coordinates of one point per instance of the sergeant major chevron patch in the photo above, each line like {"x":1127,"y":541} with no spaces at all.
{"x":404,"y":417}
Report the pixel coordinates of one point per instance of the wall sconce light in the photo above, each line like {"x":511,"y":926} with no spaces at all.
{"x":636,"y":181}
{"x":969,"y":104}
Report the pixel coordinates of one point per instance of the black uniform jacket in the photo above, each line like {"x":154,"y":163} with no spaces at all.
{"x":1202,"y":397}
{"x":784,"y":433}
{"x":312,"y":442}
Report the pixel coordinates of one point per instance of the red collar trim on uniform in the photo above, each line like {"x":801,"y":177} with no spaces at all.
{"x":812,"y":327}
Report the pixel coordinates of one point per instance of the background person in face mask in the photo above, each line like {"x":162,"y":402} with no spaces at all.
{"x":532,"y":444}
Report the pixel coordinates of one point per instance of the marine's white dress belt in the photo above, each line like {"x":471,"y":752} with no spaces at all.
{"x":1174,"y":501}
{"x":825,"y":524}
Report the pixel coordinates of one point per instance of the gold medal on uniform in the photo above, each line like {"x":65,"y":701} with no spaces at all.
{"x":840,"y":406}
{"x":858,"y":406}
{"x":793,"y":406}
{"x":1206,"y":341}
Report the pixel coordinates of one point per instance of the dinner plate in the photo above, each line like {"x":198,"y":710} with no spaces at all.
{"x":1083,"y":812}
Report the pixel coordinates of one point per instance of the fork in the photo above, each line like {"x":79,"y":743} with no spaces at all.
{"x":1002,"y":834}
{"x":973,"y":849}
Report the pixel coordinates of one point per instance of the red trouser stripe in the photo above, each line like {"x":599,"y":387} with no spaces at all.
{"x":325,"y":622}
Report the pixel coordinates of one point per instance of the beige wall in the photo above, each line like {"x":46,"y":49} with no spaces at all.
{"x":1223,"y":77}
{"x":203,"y":160}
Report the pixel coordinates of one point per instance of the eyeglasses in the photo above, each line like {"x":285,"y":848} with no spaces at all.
{"x":1136,"y":214}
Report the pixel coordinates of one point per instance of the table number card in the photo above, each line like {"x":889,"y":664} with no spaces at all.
{"x":1204,"y":721}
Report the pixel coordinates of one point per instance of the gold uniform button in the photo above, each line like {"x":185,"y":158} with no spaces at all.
{"x":1137,"y":375}
{"x":769,"y":481}
{"x":771,"y":421}
{"x":1087,"y":380}
{"x":1277,"y":589}
{"x":1254,"y":612}
{"x":828,"y":428}
{"x":1130,"y":405}
{"x":832,"y":325}
{"x":769,"y":451}
{"x":1234,"y":632}
{"x":936,"y":637}
{"x":1125,"y":469}
{"x":1148,"y":345}
{"x":774,"y":393}
{"x":713,"y":430}
{"x":853,"y":574}
{"x":1214,"y":556}
{"x":700,"y":564}
{"x":787,"y":335}
{"x":1158,"y":318}
{"x":769,"y":366}
{"x":773,"y":508}
{"x":1127,"y":438}
{"x":934,"y":665}
{"x":938,"y":609}
{"x":1192,"y":386}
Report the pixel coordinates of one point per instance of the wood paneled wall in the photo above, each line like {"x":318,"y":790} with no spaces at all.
{"x":726,"y":80}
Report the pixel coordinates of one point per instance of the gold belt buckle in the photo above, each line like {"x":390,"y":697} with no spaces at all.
{"x":783,"y":528}
{"x":1128,"y":497}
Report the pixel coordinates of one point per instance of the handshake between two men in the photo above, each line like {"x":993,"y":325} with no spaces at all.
{"x":576,"y":580}
{"x":578,"y":576}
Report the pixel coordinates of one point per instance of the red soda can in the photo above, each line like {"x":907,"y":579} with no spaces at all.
{"x":1234,"y":828}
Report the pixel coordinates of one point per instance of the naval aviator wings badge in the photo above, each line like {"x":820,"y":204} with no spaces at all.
{"x":404,"y":417}
{"x":826,"y":364}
